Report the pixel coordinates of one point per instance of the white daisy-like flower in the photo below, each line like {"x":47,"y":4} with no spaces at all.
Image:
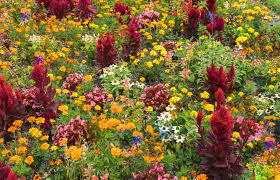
{"x":180,"y":139}
{"x":165,"y":116}
{"x":260,"y":112}
{"x":115,"y":82}
{"x":176,"y":129}
{"x":170,"y":108}
{"x":277,"y":96}
{"x":164,"y":129}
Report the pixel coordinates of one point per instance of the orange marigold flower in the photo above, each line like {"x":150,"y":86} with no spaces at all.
{"x":22,"y":149}
{"x":116,"y":151}
{"x":201,"y":177}
{"x":15,"y":159}
{"x":29,"y":160}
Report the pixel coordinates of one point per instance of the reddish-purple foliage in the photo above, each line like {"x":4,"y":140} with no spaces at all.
{"x":156,"y":96}
{"x":11,"y":105}
{"x":132,"y":39}
{"x":72,"y":81}
{"x":6,"y":172}
{"x":220,"y":97}
{"x":219,"y":155}
{"x":217,"y":26}
{"x":222,"y":123}
{"x":96,"y":97}
{"x":121,"y":8}
{"x":85,"y":9}
{"x":106,"y":53}
{"x":191,"y":27}
{"x":72,"y":131}
{"x":211,"y":5}
{"x":219,"y":79}
{"x":154,"y":172}
{"x":203,"y":15}
{"x":59,"y":8}
{"x":148,"y":17}
{"x":42,"y":94}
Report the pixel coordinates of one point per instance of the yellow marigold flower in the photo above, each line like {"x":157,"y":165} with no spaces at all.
{"x":115,"y":108}
{"x":86,"y":107}
{"x":116,"y":151}
{"x":271,"y":86}
{"x":22,"y":149}
{"x":235,"y":135}
{"x":82,"y":98}
{"x":201,"y":177}
{"x":15,"y":159}
{"x":65,"y":91}
{"x":209,"y":107}
{"x":205,"y":95}
{"x":153,"y":53}
{"x":22,"y":140}
{"x":53,"y":148}
{"x":5,"y":152}
{"x":150,"y":109}
{"x":97,"y":108}
{"x":251,"y":30}
{"x":184,"y":90}
{"x":173,"y":88}
{"x":189,"y":94}
{"x":63,"y":109}
{"x":18,"y":123}
{"x":35,"y":132}
{"x":142,"y":79}
{"x":51,"y":76}
{"x":88,"y":78}
{"x":1,"y":140}
{"x":58,"y":91}
{"x":29,"y":160}
{"x":74,"y":152}
{"x":256,"y":34}
{"x":45,"y":146}
{"x":58,"y":77}
{"x":31,"y":119}
{"x":40,"y":120}
{"x":12,"y":129}
{"x":251,"y":145}
{"x":241,"y":94}
{"x":52,"y":121}
{"x":43,"y":138}
{"x":62,"y":69}
{"x":63,"y":142}
{"x":77,"y":102}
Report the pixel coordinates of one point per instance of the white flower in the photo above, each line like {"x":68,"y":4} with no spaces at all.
{"x":175,"y":129}
{"x":277,"y":96}
{"x":180,"y":139}
{"x":164,"y":129}
{"x":115,"y":82}
{"x":172,"y":108}
{"x":34,"y":38}
{"x":165,"y":116}
{"x":260,"y":112}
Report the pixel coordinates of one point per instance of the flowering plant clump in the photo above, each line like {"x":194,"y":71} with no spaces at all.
{"x":111,"y":89}
{"x":219,"y":79}
{"x":72,"y":81}
{"x":106,"y":54}
{"x":73,"y":131}
{"x":156,"y":97}
{"x":154,"y":172}
{"x":11,"y":105}
{"x":97,"y":97}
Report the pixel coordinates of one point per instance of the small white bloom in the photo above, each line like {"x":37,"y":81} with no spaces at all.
{"x":171,"y":108}
{"x":115,"y":82}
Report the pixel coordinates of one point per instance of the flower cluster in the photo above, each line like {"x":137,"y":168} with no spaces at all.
{"x":106,"y":54}
{"x":72,"y":81}
{"x":156,"y":96}
{"x":73,"y":131}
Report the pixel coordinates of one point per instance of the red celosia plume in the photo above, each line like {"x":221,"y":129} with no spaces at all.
{"x":106,"y":53}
